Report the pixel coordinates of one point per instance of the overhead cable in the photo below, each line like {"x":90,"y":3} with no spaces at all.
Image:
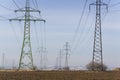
{"x":78,"y":26}
{"x":6,"y":7}
{"x":15,"y":4}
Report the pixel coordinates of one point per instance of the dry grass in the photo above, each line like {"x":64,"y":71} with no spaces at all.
{"x":59,"y":75}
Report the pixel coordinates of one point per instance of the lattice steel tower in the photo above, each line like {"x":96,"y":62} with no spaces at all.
{"x":97,"y":48}
{"x":67,"y":50}
{"x":26,"y":59}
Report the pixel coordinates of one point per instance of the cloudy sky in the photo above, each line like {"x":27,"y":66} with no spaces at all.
{"x":62,"y":19}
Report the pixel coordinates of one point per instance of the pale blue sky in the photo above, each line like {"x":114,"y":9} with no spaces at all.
{"x":62,"y":17}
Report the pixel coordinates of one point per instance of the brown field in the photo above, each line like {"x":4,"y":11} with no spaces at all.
{"x":59,"y":75}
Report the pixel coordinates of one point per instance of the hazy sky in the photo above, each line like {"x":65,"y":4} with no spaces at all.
{"x":62,"y":18}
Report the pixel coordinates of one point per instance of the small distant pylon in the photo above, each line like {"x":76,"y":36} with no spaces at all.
{"x":26,"y":59}
{"x":58,"y":65}
{"x":60,"y":60}
{"x":66,"y":50}
{"x":3,"y":61}
{"x":97,"y":48}
{"x":43,"y":58}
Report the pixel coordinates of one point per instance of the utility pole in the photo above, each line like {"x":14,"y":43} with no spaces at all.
{"x":97,"y":48}
{"x":26,"y":59}
{"x":66,"y":55}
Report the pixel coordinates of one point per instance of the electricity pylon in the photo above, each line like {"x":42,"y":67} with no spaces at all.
{"x":67,"y":50}
{"x":97,"y":48}
{"x":43,"y":58}
{"x":60,"y":59}
{"x":26,"y":59}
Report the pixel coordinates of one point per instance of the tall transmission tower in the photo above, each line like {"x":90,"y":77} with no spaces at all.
{"x":97,"y":48}
{"x":67,"y":50}
{"x":26,"y":59}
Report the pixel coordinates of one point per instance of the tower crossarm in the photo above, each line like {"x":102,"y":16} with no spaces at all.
{"x":101,"y":4}
{"x":15,"y":19}
{"x":30,"y":10}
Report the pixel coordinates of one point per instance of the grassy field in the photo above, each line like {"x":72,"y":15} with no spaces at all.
{"x":59,"y":75}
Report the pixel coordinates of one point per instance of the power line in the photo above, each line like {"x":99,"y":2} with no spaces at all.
{"x":3,"y":17}
{"x":42,"y":45}
{"x":15,"y":34}
{"x":105,"y":13}
{"x":43,"y":38}
{"x":113,"y":5}
{"x":114,"y":11}
{"x":86,"y":39}
{"x":45,"y":35}
{"x":6,"y":7}
{"x":43,"y":28}
{"x":17,"y":7}
{"x":36,"y":35}
{"x":90,"y":30}
{"x":116,"y":4}
{"x":78,"y":26}
{"x":109,"y":1}
{"x":20,"y":27}
{"x":34,"y":3}
{"x":15,"y":3}
{"x":41,"y":32}
{"x":81,"y":35}
{"x":87,"y":33}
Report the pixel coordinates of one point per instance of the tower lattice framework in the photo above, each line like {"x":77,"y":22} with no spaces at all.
{"x":67,"y":50}
{"x":97,"y":48}
{"x":26,"y":59}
